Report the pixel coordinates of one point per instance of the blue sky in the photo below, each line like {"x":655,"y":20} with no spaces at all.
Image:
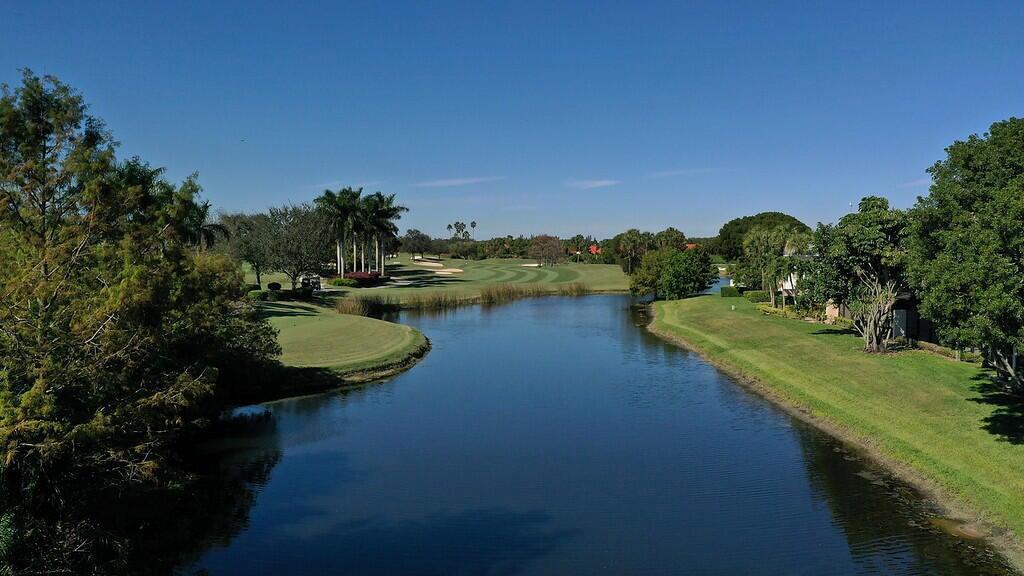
{"x":532,"y":117}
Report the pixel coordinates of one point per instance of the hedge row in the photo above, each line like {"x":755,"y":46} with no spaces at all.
{"x":730,"y":292}
{"x":756,"y":296}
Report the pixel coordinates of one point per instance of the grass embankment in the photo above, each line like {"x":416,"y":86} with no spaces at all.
{"x":939,"y":422}
{"x":354,"y":348}
{"x":414,"y":283}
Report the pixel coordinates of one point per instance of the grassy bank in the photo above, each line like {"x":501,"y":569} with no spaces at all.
{"x":938,"y":422}
{"x":354,"y":347}
{"x":413,"y":282}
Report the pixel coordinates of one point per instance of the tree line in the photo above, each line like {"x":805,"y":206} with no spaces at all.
{"x":346,"y":226}
{"x":957,"y":255}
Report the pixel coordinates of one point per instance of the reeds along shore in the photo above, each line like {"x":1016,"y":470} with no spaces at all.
{"x":375,"y":305}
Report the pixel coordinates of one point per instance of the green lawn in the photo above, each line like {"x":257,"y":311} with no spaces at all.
{"x":410,"y":278}
{"x":313,"y":336}
{"x":940,"y":418}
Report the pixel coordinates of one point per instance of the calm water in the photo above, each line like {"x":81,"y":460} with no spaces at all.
{"x":555,"y":436}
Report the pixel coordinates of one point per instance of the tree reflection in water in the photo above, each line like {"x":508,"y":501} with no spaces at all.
{"x":124,"y":529}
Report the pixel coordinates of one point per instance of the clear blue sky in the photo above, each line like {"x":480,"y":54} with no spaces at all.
{"x":530,"y":117}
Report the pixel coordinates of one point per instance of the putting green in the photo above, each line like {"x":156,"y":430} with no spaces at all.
{"x":313,"y":336}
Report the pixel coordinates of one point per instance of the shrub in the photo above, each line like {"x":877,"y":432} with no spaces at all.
{"x":257,"y":295}
{"x":343,"y":282}
{"x":756,"y":296}
{"x":364,"y":278}
{"x":963,"y":356}
{"x":786,"y":312}
{"x":274,"y":286}
{"x":250,"y":287}
{"x":730,"y":292}
{"x":843,"y":322}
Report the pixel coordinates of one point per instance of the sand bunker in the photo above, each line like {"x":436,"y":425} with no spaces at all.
{"x":425,"y":263}
{"x":531,"y":265}
{"x":456,"y":270}
{"x":442,"y":273}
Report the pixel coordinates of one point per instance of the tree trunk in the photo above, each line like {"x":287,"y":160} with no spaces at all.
{"x":355,"y":254}
{"x":338,"y":257}
{"x":259,"y":276}
{"x":376,"y":254}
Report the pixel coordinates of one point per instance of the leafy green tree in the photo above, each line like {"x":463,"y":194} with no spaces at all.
{"x":438,"y":246}
{"x":686,"y":272}
{"x":301,"y":237}
{"x":416,"y":242}
{"x":672,"y":274}
{"x":966,"y":240}
{"x":729,"y":242}
{"x":647,"y":276}
{"x":670,"y":238}
{"x":115,"y":334}
{"x":860,"y":262}
{"x":250,"y":241}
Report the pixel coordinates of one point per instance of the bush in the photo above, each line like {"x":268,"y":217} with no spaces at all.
{"x":250,"y":287}
{"x":364,"y":278}
{"x":257,"y":295}
{"x":343,"y":282}
{"x":730,"y":292}
{"x":785,"y":312}
{"x":756,"y":296}
{"x":964,"y":355}
{"x":274,"y":286}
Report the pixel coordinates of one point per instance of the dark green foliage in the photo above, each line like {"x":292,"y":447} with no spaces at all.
{"x":729,"y":292}
{"x":249,"y":240}
{"x":116,"y":334}
{"x":274,"y":286}
{"x":860,"y":262}
{"x":729,"y":242}
{"x":672,"y":274}
{"x":301,"y":240}
{"x":646,"y":277}
{"x":343,"y":282}
{"x":256,"y":295}
{"x":967,"y":247}
{"x":416,"y":242}
{"x":756,"y":296}
{"x":686,"y":272}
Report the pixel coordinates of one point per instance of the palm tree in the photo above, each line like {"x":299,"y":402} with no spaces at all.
{"x":381,"y":214}
{"x":632,"y":246}
{"x":203,"y":232}
{"x":341,"y":207}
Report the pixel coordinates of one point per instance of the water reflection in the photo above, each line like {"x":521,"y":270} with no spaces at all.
{"x":556,"y":436}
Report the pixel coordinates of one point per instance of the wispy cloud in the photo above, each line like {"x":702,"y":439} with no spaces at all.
{"x":589,"y":184}
{"x":449,"y":182}
{"x":682,"y":172}
{"x":916,"y":183}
